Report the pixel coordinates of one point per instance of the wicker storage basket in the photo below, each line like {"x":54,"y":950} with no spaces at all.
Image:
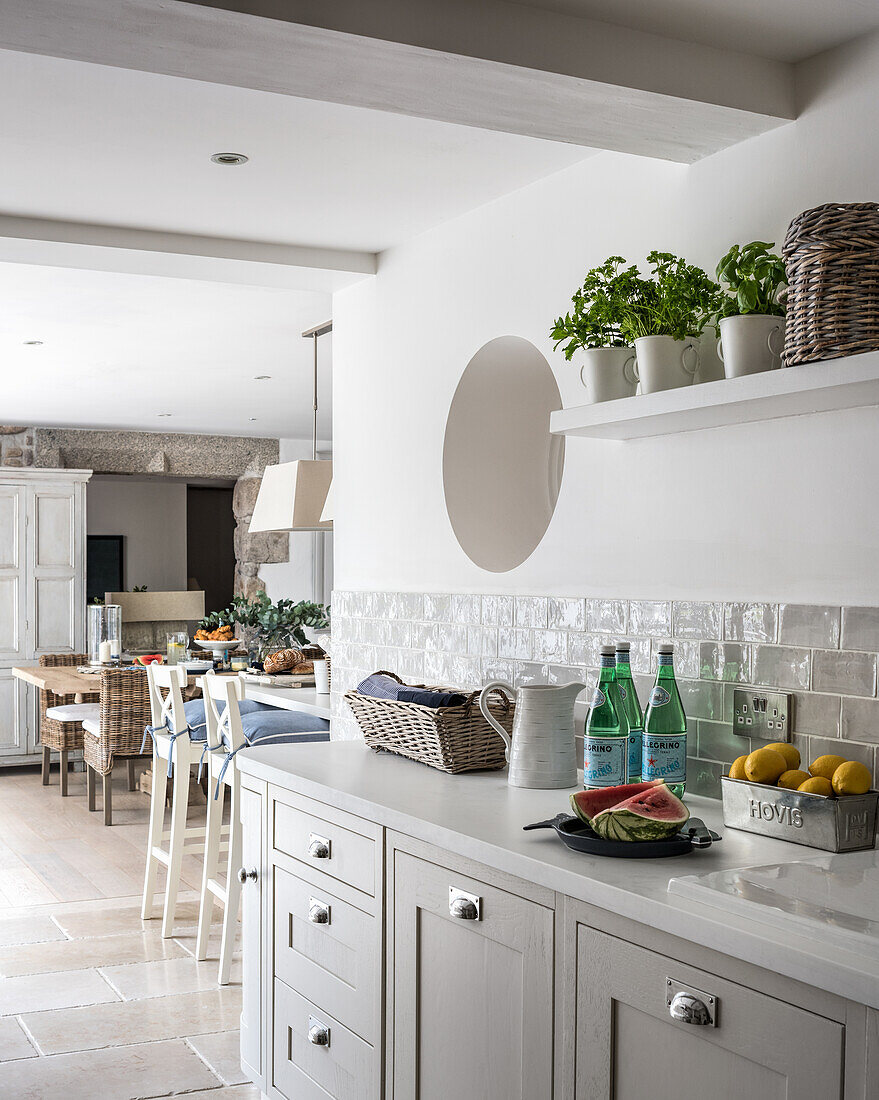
{"x":832,"y":259}
{"x":453,"y":739}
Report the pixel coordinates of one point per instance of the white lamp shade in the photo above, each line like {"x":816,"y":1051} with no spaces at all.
{"x":326,"y":515}
{"x":292,"y":496}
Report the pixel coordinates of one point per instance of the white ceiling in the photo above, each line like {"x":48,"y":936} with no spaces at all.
{"x":120,"y":349}
{"x":785,"y":30}
{"x":90,"y":143}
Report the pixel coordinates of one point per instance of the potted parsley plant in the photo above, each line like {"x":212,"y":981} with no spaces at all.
{"x":752,"y":309}
{"x":591,"y":331}
{"x":665,"y":318}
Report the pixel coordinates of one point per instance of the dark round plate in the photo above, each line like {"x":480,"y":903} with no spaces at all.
{"x":577,"y":835}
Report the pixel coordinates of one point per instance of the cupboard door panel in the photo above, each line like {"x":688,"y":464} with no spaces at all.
{"x":473,"y":998}
{"x":251,"y":931}
{"x":54,"y":614}
{"x":13,"y":727}
{"x":628,"y":1046}
{"x":11,"y":632}
{"x":54,"y":541}
{"x":10,"y":531}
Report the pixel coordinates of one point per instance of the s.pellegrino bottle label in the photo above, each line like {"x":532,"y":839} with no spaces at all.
{"x":604,"y":761}
{"x":605,"y":739}
{"x":664,"y":757}
{"x":632,"y":707}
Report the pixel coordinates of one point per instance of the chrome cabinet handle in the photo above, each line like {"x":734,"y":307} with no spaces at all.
{"x":690,"y":1006}
{"x":464,"y":906}
{"x":244,"y":875}
{"x":318,"y":1033}
{"x":318,"y":846}
{"x":318,"y":911}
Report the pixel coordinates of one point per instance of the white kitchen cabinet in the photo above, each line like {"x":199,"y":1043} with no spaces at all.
{"x":253,"y":938}
{"x":42,"y":587}
{"x":628,"y":1045}
{"x":473,"y":988}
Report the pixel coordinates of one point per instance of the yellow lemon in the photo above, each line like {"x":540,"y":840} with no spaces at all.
{"x":852,"y":777}
{"x":817,"y":785}
{"x":787,"y":750}
{"x":737,"y":768}
{"x":793,"y":779}
{"x":825,"y":766}
{"x":764,"y":766}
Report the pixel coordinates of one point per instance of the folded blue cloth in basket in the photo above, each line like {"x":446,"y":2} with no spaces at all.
{"x":379,"y":686}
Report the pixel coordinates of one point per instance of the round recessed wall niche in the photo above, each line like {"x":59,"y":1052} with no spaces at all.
{"x":502,"y":470}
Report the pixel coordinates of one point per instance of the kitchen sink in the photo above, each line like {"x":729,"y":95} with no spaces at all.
{"x":834,"y":896}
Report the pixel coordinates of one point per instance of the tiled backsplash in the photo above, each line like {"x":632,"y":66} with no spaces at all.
{"x":826,"y":656}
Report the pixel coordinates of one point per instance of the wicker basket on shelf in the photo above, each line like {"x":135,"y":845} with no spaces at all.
{"x":452,"y":739}
{"x":832,"y":259}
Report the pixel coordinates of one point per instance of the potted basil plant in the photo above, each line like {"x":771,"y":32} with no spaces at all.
{"x":664,"y":319}
{"x":592,"y":331}
{"x":751,"y":313}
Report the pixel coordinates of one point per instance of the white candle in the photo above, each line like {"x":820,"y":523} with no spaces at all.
{"x":104,"y":653}
{"x":115,"y":649}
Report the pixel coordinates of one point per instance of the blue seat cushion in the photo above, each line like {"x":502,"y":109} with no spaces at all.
{"x":194,"y":711}
{"x":277,"y":725}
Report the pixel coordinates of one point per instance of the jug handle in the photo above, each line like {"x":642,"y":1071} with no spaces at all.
{"x":489,"y":717}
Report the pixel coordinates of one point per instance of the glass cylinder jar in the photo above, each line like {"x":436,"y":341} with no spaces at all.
{"x":104,"y":633}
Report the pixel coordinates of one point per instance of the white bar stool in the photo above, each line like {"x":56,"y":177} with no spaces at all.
{"x":172,"y":749}
{"x":224,"y":733}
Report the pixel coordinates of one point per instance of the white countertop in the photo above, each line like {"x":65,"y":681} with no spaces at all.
{"x":299,"y":698}
{"x":479,"y":816}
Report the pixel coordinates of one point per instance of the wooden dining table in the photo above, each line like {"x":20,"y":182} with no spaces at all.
{"x":66,"y":680}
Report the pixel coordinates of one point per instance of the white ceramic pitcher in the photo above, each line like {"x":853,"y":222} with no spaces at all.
{"x":542,"y":751}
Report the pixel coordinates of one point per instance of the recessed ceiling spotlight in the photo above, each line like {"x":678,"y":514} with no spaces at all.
{"x":163,"y":414}
{"x":32,"y":343}
{"x":251,"y":418}
{"x":229,"y":158}
{"x":261,"y":377}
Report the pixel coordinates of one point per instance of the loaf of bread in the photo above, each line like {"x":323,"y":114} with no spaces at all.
{"x":287,"y":660}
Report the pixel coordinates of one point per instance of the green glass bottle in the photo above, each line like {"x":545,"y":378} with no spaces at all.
{"x":632,"y":707}
{"x":664,"y":753}
{"x":605,"y":740}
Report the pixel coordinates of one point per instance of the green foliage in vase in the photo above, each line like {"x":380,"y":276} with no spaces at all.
{"x":755,"y":278}
{"x":276,"y":625}
{"x":679,"y":300}
{"x":594,"y":320}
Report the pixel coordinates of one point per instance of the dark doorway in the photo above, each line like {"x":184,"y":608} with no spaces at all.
{"x":103,"y":570}
{"x":210,"y":544}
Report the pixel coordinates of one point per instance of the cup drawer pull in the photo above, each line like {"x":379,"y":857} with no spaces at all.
{"x":318,"y":846}
{"x":318,"y":911}
{"x":690,"y":1006}
{"x":318,"y":1033}
{"x":464,"y":906}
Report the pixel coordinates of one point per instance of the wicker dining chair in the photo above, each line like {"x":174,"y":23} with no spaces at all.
{"x":56,"y":735}
{"x":125,"y":713}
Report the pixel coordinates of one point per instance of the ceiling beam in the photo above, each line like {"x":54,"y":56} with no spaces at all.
{"x":51,"y":243}
{"x":486,"y":63}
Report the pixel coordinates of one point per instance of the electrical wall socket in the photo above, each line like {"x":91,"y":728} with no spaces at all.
{"x":762,"y":714}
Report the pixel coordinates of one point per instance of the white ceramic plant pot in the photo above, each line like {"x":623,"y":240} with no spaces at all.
{"x":608,"y":373}
{"x":750,"y":343}
{"x":665,"y":363}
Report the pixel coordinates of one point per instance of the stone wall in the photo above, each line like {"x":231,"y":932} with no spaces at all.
{"x":252,"y":551}
{"x":16,"y":446}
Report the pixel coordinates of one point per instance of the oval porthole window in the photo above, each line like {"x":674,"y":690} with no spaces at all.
{"x":502,"y":470}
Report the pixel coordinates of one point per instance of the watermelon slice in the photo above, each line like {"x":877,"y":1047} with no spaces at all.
{"x":586,"y":804}
{"x":149,"y":659}
{"x":650,"y":815}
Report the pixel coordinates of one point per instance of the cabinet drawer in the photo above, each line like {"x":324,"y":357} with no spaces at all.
{"x":628,"y":1044}
{"x":343,"y":1069}
{"x":325,"y":846}
{"x":327,"y":949}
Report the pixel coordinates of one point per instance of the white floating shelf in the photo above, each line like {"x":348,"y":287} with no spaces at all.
{"x":809,"y":388}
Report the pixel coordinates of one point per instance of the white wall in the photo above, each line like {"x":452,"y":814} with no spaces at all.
{"x":783,"y":510}
{"x":294,"y":579}
{"x":151,"y":514}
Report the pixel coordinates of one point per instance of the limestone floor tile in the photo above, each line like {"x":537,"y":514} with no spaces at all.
{"x":38,"y":992}
{"x":82,"y":923}
{"x":13,"y":1041}
{"x":165,"y":977}
{"x":30,"y":929}
{"x":118,"y":1073}
{"x":222,"y":1052}
{"x":122,"y":1022}
{"x":237,"y":1092}
{"x":79,"y":954}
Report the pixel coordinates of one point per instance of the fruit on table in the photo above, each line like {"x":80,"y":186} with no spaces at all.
{"x":852,"y":777}
{"x":765,"y":766}
{"x":793,"y":779}
{"x":825,"y":766}
{"x":149,"y":659}
{"x":817,"y":785}
{"x":651,"y":815}
{"x":737,"y":768}
{"x":586,"y":804}
{"x":788,"y":751}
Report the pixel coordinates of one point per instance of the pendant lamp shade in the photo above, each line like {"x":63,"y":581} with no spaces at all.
{"x":326,"y":515}
{"x":292,"y":497}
